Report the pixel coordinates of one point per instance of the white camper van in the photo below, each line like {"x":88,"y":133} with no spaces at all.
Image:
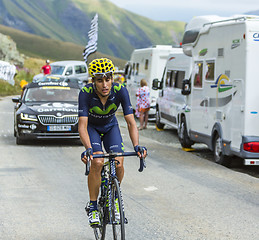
{"x":170,"y":101}
{"x":147,"y":63}
{"x":222,"y":97}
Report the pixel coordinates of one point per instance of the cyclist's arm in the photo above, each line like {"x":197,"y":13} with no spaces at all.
{"x":83,"y":133}
{"x":132,"y":128}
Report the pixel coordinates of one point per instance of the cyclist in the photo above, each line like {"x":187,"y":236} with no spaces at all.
{"x":98,"y":102}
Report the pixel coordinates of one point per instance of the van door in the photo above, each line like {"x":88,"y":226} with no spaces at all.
{"x":198,"y":100}
{"x":166,"y":98}
{"x":68,"y":71}
{"x":81,"y":72}
{"x":172,"y":101}
{"x":209,"y":95}
{"x":237,"y":114}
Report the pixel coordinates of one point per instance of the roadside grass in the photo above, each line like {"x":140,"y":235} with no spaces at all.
{"x":35,"y":47}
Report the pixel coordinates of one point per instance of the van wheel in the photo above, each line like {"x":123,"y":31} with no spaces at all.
{"x":219,"y":156}
{"x":158,"y":123}
{"x":183,"y":137}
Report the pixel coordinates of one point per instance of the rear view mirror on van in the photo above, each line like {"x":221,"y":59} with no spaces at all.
{"x":156,"y":84}
{"x":186,"y":87}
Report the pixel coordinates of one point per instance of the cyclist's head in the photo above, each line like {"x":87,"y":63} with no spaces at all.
{"x":101,"y":70}
{"x":47,"y":61}
{"x":101,"y":67}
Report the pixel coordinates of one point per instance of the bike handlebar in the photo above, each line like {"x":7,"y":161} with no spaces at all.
{"x":113,"y":155}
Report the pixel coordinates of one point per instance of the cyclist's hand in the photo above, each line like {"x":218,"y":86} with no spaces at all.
{"x":87,"y":155}
{"x":141,"y":151}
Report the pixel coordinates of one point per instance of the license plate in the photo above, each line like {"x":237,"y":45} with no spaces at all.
{"x":56,"y":128}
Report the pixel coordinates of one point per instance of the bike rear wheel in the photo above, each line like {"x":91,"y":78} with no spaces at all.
{"x":118,"y":227}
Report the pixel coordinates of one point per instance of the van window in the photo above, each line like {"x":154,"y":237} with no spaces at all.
{"x":137,"y":68}
{"x":146,"y":64}
{"x":209,"y":70}
{"x":179,"y":79}
{"x":172,"y":79}
{"x":80,"y":69}
{"x":168,"y":78}
{"x":69,"y":71}
{"x":57,"y":70}
{"x":198,"y":74}
{"x":133,"y":69}
{"x":130,"y":71}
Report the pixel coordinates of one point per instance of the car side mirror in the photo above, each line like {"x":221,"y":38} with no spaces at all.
{"x":16,"y":99}
{"x":156,"y":84}
{"x":186,"y":87}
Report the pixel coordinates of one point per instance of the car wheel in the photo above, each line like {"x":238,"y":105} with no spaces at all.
{"x":219,"y":156}
{"x":158,"y":123}
{"x":18,"y":140}
{"x":183,"y":137}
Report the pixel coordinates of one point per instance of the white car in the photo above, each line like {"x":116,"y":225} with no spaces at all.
{"x":76,"y":69}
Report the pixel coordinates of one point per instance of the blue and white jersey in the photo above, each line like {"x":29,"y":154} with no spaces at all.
{"x":99,"y":115}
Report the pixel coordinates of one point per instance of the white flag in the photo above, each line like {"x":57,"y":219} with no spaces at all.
{"x":91,"y":46}
{"x":7,"y":72}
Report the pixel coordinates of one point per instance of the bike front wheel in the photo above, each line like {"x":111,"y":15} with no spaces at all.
{"x":99,"y":232}
{"x":118,"y":218}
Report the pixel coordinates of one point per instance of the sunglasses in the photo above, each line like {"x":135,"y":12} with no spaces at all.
{"x":107,"y":75}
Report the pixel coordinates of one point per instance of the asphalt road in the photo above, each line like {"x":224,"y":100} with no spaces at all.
{"x":180,"y":195}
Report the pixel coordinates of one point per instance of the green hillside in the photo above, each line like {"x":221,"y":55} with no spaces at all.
{"x":120,"y":31}
{"x":39,"y":47}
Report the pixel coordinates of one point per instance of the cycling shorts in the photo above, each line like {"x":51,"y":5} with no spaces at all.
{"x":112,"y":140}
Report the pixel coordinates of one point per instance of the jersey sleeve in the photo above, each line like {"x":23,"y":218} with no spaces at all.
{"x":125,"y":102}
{"x":83,"y":104}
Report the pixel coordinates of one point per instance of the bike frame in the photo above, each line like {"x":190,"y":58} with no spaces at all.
{"x":107,"y":193}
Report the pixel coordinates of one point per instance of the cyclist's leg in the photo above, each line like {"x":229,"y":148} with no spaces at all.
{"x":112,"y":141}
{"x":94,"y":177}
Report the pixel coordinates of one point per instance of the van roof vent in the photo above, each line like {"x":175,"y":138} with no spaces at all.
{"x":220,"y":52}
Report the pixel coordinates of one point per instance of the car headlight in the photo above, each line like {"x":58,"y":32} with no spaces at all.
{"x":28,"y":117}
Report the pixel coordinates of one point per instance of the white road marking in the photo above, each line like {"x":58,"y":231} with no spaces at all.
{"x":151,"y":189}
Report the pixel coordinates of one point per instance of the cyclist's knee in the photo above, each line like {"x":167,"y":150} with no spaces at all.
{"x":119,"y":165}
{"x":97,"y":164}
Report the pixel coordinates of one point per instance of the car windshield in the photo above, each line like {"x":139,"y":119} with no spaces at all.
{"x":51,"y":94}
{"x":57,"y":70}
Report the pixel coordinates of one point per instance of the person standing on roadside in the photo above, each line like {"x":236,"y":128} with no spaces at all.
{"x":46,"y":69}
{"x":143,"y":103}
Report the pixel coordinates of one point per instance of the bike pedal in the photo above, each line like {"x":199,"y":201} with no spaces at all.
{"x":95,"y":226}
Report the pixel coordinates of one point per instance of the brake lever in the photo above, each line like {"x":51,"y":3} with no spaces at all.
{"x":87,"y":165}
{"x":142,"y":162}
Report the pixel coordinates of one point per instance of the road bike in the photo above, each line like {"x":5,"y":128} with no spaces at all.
{"x":110,"y":190}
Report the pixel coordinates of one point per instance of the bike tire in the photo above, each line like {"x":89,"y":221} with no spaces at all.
{"x":117,"y":227}
{"x":100,"y":232}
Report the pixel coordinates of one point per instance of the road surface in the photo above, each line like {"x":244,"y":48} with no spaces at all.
{"x":180,"y":195}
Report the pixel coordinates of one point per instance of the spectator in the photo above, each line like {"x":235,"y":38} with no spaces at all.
{"x":46,"y":69}
{"x":143,"y":104}
{"x":23,"y":84}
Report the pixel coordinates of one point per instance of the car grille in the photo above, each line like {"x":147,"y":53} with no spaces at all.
{"x":50,"y":119}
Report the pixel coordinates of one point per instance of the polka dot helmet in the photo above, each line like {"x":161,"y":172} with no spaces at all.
{"x":101,"y":66}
